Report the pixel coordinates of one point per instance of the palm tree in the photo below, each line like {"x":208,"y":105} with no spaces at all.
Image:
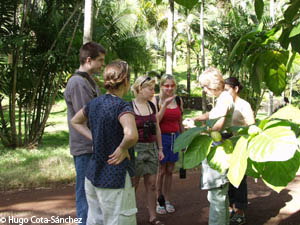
{"x":88,"y":21}
{"x":169,"y":38}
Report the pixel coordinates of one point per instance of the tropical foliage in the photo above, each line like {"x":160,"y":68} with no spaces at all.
{"x":269,"y":149}
{"x":39,"y":47}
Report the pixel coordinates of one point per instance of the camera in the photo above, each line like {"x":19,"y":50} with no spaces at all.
{"x":149,"y":129}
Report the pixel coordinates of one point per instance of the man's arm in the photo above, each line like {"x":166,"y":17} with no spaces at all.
{"x":79,"y":122}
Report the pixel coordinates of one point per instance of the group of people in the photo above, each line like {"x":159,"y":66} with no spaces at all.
{"x":114,"y":143}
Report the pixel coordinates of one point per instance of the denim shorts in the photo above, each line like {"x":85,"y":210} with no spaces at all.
{"x":168,"y":146}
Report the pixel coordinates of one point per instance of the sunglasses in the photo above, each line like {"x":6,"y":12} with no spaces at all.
{"x":147,"y":79}
{"x":169,"y":86}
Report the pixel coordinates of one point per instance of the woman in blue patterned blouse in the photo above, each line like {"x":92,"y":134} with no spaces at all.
{"x":110,"y":123}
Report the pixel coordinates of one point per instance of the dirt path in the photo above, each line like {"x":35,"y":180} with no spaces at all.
{"x":265,"y":206}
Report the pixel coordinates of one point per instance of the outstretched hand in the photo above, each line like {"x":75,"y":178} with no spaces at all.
{"x":118,"y":156}
{"x":188,"y":123}
{"x":169,"y":100}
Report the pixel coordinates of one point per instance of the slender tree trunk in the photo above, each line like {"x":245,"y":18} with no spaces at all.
{"x":169,"y":38}
{"x":204,"y":107}
{"x":270,"y":107}
{"x":88,"y":21}
{"x":188,"y":63}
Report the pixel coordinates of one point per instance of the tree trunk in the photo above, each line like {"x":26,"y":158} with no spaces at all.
{"x":188,"y":63}
{"x":88,"y":21}
{"x":204,"y":107}
{"x":169,"y":38}
{"x":270,"y":107}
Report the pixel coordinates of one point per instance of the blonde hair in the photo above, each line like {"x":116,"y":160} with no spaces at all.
{"x":166,"y":77}
{"x":212,"y":79}
{"x":141,"y":82}
{"x":115,"y":74}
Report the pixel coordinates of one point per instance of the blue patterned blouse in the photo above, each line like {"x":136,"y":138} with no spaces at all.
{"x":103,"y":115}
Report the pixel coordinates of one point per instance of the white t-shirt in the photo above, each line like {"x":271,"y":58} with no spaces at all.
{"x":224,"y":107}
{"x":243,"y":114}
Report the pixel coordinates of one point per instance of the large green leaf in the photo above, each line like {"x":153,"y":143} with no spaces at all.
{"x":259,"y":8}
{"x":275,"y":71}
{"x":186,"y":138}
{"x":288,"y":112}
{"x":263,"y":123}
{"x":275,"y":188}
{"x":293,"y":65}
{"x":243,"y":41}
{"x":295,"y":31}
{"x":284,"y":38}
{"x":292,"y":10}
{"x":274,"y":144}
{"x":279,"y":174}
{"x":273,"y":35}
{"x":197,"y":151}
{"x":187,"y":3}
{"x":238,"y":162}
{"x":257,"y":73}
{"x":295,"y":41}
{"x":211,"y":123}
{"x":218,"y":159}
{"x":277,"y":122}
{"x":251,"y":169}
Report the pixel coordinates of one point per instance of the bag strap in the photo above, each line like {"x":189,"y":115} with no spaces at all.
{"x":150,"y":103}
{"x":152,"y":107}
{"x":178,"y":102}
{"x":88,"y":79}
{"x":157,"y":101}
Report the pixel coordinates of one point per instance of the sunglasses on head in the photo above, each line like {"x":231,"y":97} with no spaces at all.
{"x":147,"y":79}
{"x":169,"y":85}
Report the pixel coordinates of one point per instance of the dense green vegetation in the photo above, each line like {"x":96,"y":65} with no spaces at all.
{"x":254,"y":40}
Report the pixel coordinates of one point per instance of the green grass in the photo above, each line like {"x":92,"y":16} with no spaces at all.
{"x":48,"y":165}
{"x":51,"y":163}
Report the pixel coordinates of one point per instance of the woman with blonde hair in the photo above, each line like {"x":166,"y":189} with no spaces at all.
{"x":146,"y":162}
{"x":170,"y":109}
{"x":109,"y":122}
{"x":216,"y":183}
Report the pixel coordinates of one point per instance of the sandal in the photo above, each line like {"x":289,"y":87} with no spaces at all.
{"x":160,"y":210}
{"x":170,"y":208}
{"x":156,"y":222}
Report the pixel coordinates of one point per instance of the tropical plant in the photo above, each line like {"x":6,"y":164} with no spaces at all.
{"x":117,"y":27}
{"x":264,"y":52}
{"x":268,"y":150}
{"x":36,"y":40}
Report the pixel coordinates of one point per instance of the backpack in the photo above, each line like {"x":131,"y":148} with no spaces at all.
{"x":177,"y":99}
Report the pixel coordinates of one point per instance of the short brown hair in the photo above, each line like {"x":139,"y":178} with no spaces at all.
{"x":90,"y":49}
{"x":115,"y":74}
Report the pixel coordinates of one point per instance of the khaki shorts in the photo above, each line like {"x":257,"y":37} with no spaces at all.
{"x":146,"y":161}
{"x":111,"y":206}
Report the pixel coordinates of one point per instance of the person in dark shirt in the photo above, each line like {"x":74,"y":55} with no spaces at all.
{"x":81,"y":88}
{"x":109,"y":122}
